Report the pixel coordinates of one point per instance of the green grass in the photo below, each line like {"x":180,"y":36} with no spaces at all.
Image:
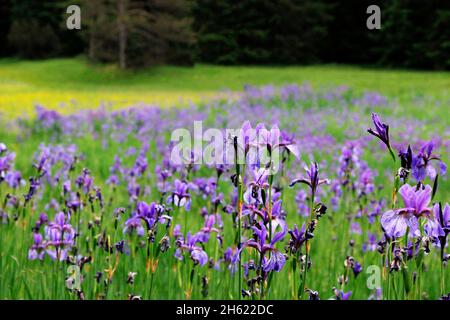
{"x":74,"y":83}
{"x":58,"y":81}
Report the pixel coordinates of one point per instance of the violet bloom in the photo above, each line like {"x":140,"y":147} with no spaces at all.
{"x":162,"y":176}
{"x":67,"y":187}
{"x":43,"y":220}
{"x":85,"y":181}
{"x":207,"y":229}
{"x":421,"y":163}
{"x":298,"y":237}
{"x":177,"y":232}
{"x":439,"y":227}
{"x":231,"y":259}
{"x":341,"y":295}
{"x":147,"y":214}
{"x":247,"y":135}
{"x":197,"y":254}
{"x":14,"y":179}
{"x":253,"y":193}
{"x":37,"y":250}
{"x":371,"y":244}
{"x":273,"y":139}
{"x":381,"y":132}
{"x":395,"y":222}
{"x":302,"y":206}
{"x":276,"y":259}
{"x":312,"y":180}
{"x":366,"y":182}
{"x":180,"y":196}
{"x":6,"y":163}
{"x":206,"y":186}
{"x":349,"y":161}
{"x":377,"y":295}
{"x":355,"y":228}
{"x":113,"y":180}
{"x":357,"y":268}
{"x":406,"y":159}
{"x":287,"y":142}
{"x":34,"y":185}
{"x":60,"y":237}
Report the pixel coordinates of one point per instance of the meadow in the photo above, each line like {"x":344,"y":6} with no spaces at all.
{"x":93,"y":205}
{"x":73,"y":84}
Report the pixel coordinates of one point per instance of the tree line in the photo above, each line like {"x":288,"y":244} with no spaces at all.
{"x":135,"y":33}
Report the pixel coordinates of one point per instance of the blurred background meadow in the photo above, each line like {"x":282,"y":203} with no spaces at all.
{"x":93,"y":109}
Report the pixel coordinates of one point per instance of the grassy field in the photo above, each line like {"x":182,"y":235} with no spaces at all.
{"x":74,"y":161}
{"x":72,"y":84}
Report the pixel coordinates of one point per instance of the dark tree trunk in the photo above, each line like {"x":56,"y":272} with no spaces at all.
{"x":122,"y":33}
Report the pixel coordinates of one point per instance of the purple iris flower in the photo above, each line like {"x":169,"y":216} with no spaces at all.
{"x":381,"y":132}
{"x":371,"y":244}
{"x":14,"y":179}
{"x":268,"y":138}
{"x":341,"y":295}
{"x":149,"y":214}
{"x":207,"y":187}
{"x":67,"y":187}
{"x":439,"y":227}
{"x":366,"y":182}
{"x":197,"y":254}
{"x":377,"y":295}
{"x":85,"y":181}
{"x":43,"y":220}
{"x":421,"y":163}
{"x":253,"y":193}
{"x":177,"y":231}
{"x":276,"y":259}
{"x":302,"y":206}
{"x":34,"y":185}
{"x":74,"y":202}
{"x":275,"y":262}
{"x":60,"y":223}
{"x":6,"y":163}
{"x":287,"y":142}
{"x":134,"y":223}
{"x":395,"y":222}
{"x":273,"y":139}
{"x":357,"y":268}
{"x":406,"y":158}
{"x":298,"y":237}
{"x":113,"y":180}
{"x":312,"y":179}
{"x":231,"y":258}
{"x":180,"y":196}
{"x":349,"y":161}
{"x":60,"y":236}
{"x":207,"y":229}
{"x":247,"y":135}
{"x":37,"y":250}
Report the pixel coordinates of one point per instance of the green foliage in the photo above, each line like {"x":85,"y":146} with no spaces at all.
{"x":251,"y":31}
{"x":414,"y":33}
{"x":37,"y":29}
{"x":33,"y":40}
{"x":149,"y":31}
